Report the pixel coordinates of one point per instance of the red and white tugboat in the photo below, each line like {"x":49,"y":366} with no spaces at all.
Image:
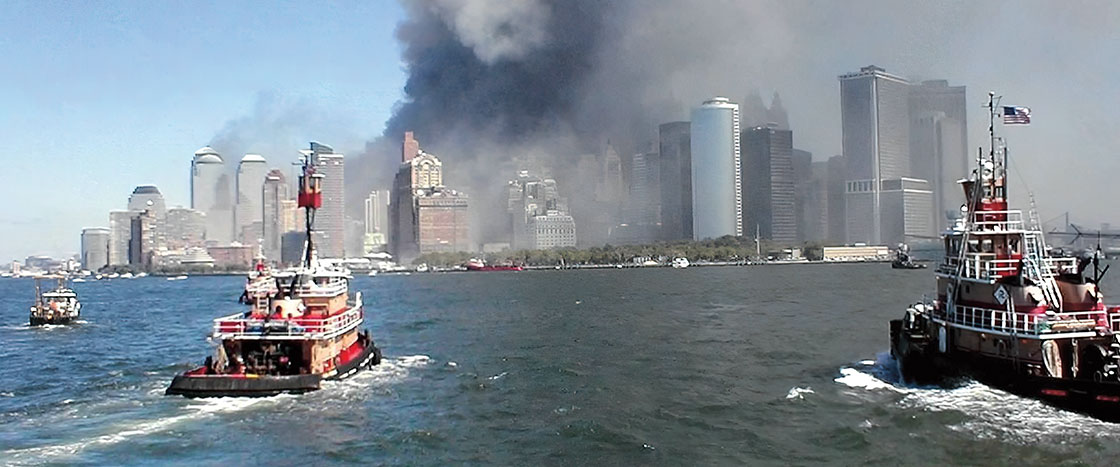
{"x":57,"y":306}
{"x":1009,"y":314}
{"x":476,"y":264}
{"x":302,"y":326}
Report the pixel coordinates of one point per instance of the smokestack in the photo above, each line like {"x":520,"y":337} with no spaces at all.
{"x":409,"y":148}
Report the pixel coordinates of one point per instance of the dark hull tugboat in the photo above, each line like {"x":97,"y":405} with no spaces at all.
{"x":302,"y":326}
{"x":1009,"y":314}
{"x":57,"y":306}
{"x":903,"y":260}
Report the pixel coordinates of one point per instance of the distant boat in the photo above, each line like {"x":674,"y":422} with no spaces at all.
{"x":423,"y":267}
{"x":78,"y":280}
{"x":176,"y":278}
{"x":680,"y":263}
{"x":650,"y":262}
{"x":478,"y":265}
{"x":372,"y":272}
{"x":127,"y":275}
{"x":58,"y":306}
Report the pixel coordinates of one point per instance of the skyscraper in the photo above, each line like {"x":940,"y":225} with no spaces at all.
{"x":120,"y":233}
{"x":768,"y":184}
{"x":274,"y":191}
{"x":148,"y":197}
{"x":207,"y":193}
{"x":142,"y":195}
{"x":875,"y":119}
{"x":251,"y":174}
{"x":184,"y":228}
{"x":675,"y":151}
{"x":95,"y":248}
{"x":837,"y":217}
{"x":330,"y":220}
{"x":143,"y":239}
{"x":717,"y":203}
{"x":376,"y":221}
{"x":939,"y":143}
{"x":425,"y":216}
{"x":539,"y":216}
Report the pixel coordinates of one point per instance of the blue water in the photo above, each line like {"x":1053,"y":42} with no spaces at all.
{"x":723,"y":365}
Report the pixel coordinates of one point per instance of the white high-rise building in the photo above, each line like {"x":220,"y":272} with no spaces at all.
{"x":120,"y":232}
{"x":717,"y":202}
{"x":95,"y":248}
{"x":210,"y":194}
{"x":330,"y":221}
{"x":251,"y":174}
{"x":275,"y":193}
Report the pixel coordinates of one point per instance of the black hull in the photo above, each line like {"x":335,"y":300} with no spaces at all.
{"x":920,"y":362}
{"x":37,"y":321}
{"x":189,"y":385}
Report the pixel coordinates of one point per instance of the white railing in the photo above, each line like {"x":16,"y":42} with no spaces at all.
{"x":237,"y":326}
{"x":1030,"y":324}
{"x":986,"y":266}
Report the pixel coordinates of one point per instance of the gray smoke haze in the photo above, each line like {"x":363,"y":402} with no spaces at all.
{"x":491,"y":81}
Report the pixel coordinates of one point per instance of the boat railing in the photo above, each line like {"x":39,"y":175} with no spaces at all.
{"x":239,"y":326}
{"x":1030,"y":324}
{"x":987,"y":266}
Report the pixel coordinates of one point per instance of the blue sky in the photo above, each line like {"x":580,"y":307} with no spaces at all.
{"x":98,"y":97}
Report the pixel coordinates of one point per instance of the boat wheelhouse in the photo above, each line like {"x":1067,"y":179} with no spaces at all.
{"x":1009,"y":313}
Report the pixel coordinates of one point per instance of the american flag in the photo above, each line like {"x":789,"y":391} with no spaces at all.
{"x":1016,"y":115}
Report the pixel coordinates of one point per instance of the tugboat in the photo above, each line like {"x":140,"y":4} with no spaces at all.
{"x":902,"y":259}
{"x":58,"y":306}
{"x":302,"y":326}
{"x":1008,"y":313}
{"x":476,"y":264}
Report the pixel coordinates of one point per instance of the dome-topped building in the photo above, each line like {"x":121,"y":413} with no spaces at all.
{"x":207,"y":168}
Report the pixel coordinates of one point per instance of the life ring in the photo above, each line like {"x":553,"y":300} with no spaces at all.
{"x":942,"y":340}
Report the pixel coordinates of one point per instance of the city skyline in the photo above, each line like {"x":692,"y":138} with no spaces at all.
{"x":252,"y":116}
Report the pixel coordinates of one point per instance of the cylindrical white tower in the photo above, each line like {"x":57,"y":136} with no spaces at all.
{"x":207,"y":169}
{"x":250,"y":183}
{"x":717,"y":202}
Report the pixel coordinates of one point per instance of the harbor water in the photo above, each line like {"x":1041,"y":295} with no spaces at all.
{"x":761,"y":365}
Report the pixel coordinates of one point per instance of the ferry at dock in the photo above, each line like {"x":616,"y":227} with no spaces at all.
{"x":302,"y":325}
{"x":1010,"y":313}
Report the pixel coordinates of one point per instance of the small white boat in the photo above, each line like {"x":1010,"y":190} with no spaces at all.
{"x":372,"y":272}
{"x":177,"y":278}
{"x":78,"y":280}
{"x":680,"y":263}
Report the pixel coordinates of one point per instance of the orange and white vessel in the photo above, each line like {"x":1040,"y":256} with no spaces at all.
{"x":302,"y":326}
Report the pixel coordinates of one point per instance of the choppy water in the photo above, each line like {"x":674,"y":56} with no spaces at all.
{"x":742,"y":366}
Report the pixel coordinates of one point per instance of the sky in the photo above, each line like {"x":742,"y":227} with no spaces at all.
{"x":99,"y":97}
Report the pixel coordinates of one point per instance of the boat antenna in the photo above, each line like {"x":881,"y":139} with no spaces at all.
{"x":310,"y":197}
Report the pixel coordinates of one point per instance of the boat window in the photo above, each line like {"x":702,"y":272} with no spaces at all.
{"x":973,"y":246}
{"x":1014,"y":244}
{"x":986,"y":245}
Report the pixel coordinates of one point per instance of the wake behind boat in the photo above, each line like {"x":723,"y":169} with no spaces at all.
{"x":302,"y":326}
{"x":1010,"y":314}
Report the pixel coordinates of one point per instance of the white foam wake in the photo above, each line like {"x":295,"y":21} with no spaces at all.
{"x":197,"y":409}
{"x":991,"y":413}
{"x":799,"y":393}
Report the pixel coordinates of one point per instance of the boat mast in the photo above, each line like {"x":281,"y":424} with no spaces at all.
{"x":310,"y":198}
